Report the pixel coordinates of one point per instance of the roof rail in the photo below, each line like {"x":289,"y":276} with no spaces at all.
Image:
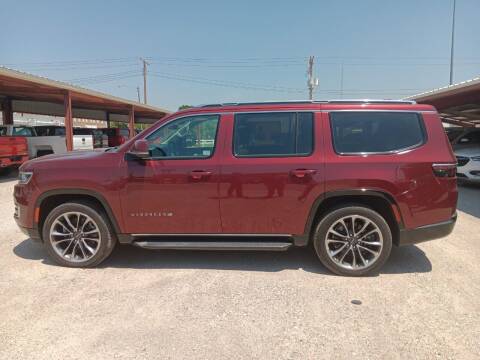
{"x":371,"y":101}
{"x":334,"y":101}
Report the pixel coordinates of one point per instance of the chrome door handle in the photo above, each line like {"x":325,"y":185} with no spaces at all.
{"x":199,"y":174}
{"x":302,"y":173}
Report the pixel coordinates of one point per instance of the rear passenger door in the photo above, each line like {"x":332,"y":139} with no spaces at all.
{"x":271,"y":172}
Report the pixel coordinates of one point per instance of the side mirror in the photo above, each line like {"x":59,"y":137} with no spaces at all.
{"x":140,"y":149}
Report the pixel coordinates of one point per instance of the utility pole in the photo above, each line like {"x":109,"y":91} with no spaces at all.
{"x":453,"y":42}
{"x":138,"y":93}
{"x":145,"y":63}
{"x":311,"y":82}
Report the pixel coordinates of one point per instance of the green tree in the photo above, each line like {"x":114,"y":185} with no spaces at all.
{"x":183,"y":107}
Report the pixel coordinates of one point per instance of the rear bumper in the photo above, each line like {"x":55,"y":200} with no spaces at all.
{"x":427,"y":232}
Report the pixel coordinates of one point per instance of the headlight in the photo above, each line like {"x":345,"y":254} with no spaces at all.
{"x":476,"y":158}
{"x":24,"y":177}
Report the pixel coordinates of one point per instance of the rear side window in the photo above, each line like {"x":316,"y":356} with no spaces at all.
{"x":273,"y":134}
{"x":375,"y":132}
{"x":82,"y":131}
{"x":22,"y":131}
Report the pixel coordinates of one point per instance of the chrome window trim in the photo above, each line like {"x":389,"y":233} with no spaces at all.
{"x":380,"y":110}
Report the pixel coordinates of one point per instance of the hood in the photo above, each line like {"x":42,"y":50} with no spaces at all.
{"x":68,"y":158}
{"x":467,"y":151}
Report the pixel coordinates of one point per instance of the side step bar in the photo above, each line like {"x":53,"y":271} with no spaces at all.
{"x":214,"y":245}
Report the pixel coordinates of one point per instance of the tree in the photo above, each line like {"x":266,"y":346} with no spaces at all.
{"x":183,"y":107}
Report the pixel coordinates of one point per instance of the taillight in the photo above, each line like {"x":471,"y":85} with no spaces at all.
{"x":444,"y":170}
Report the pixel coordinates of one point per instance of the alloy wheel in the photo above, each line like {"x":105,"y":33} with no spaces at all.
{"x":354,"y":242}
{"x":75,"y":236}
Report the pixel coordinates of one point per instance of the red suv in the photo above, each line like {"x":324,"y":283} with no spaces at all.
{"x":349,"y":177}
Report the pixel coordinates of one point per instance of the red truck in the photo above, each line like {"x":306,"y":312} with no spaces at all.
{"x":352,"y":178}
{"x":116,"y":136}
{"x":13,"y":151}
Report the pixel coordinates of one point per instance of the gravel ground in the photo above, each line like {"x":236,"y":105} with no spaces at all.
{"x":182,"y":305}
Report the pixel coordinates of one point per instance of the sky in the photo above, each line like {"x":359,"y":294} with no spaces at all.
{"x":214,"y":51}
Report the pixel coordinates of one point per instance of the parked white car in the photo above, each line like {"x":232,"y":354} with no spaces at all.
{"x":37,"y":145}
{"x":468,"y":163}
{"x":466,"y":146}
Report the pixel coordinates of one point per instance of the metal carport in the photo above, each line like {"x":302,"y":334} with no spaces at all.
{"x":22,"y":92}
{"x":457,"y":104}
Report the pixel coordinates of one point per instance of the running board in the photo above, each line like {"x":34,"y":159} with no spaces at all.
{"x":214,"y":245}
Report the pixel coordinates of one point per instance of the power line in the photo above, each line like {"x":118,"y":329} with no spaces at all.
{"x":73,"y":62}
{"x":274,"y":88}
{"x":104,"y":78}
{"x":223,"y":83}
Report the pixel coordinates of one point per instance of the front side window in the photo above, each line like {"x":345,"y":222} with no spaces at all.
{"x":188,"y":137}
{"x":375,"y":132}
{"x":273,"y":134}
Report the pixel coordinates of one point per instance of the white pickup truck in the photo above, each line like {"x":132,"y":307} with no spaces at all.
{"x":37,"y":145}
{"x":83,"y":138}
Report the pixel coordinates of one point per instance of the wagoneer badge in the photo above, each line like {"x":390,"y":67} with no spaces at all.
{"x":152,"y":214}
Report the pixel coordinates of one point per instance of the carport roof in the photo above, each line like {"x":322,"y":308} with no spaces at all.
{"x":39,"y":95}
{"x":458,"y":104}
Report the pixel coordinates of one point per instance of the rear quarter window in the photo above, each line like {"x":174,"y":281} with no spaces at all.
{"x":376,"y":132}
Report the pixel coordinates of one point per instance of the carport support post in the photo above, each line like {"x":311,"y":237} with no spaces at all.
{"x":108,"y":119}
{"x":131,"y":121}
{"x":68,"y":120}
{"x":7,"y":111}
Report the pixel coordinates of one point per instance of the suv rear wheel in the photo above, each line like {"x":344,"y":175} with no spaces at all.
{"x":78,"y":235}
{"x":353,"y":241}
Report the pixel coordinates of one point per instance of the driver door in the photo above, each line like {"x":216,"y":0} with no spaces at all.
{"x":175,"y":191}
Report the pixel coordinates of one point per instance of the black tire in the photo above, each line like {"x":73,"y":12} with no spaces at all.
{"x":320,"y":238}
{"x":107,"y":238}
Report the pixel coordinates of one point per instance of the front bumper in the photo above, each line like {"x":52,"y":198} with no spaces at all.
{"x":427,"y":232}
{"x":33,"y":234}
{"x":468,"y":168}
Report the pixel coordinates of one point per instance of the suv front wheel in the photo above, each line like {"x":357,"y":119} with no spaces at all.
{"x":78,"y":235}
{"x":353,"y":241}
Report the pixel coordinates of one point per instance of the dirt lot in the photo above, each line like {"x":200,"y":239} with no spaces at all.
{"x":424,"y":304}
